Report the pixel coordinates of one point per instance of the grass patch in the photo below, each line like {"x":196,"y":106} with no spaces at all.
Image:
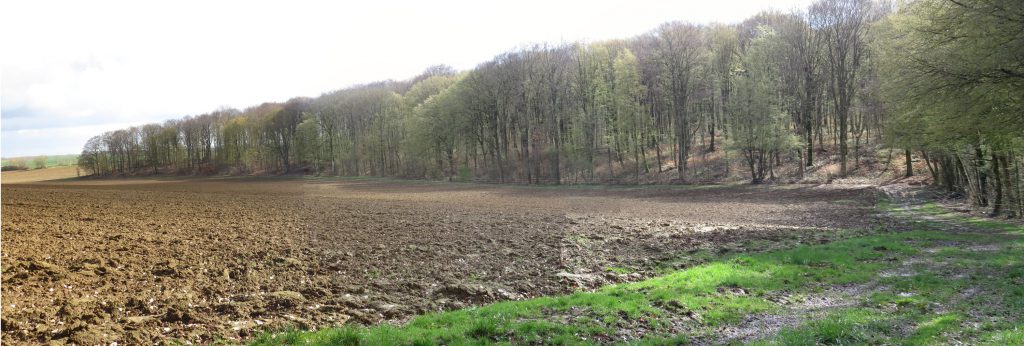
{"x":1013,"y":336}
{"x":846,"y":327}
{"x":619,"y":270}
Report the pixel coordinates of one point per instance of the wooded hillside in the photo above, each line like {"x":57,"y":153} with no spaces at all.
{"x":940,"y":80}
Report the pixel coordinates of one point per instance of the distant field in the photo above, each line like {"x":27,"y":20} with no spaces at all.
{"x":33,"y":175}
{"x":51,"y":160}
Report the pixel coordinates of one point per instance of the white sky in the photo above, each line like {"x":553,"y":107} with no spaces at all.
{"x":70,"y":70}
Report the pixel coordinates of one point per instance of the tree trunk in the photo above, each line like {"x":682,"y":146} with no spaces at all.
{"x":842,"y":143}
{"x":657,"y":151}
{"x":1013,"y":202}
{"x":982,"y":177}
{"x":997,"y":201}
{"x":910,"y":166}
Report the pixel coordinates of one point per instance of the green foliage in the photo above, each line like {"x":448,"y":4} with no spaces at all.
{"x":630,"y":123}
{"x":955,"y":86}
{"x":15,"y":164}
{"x":308,"y":141}
{"x":759,"y":126}
{"x":39,"y":162}
{"x":465,"y":174}
{"x":960,"y":62}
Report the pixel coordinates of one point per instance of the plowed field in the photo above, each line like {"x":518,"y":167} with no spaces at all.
{"x":205,"y":259}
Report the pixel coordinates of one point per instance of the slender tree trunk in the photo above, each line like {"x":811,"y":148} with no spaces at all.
{"x":1019,"y":183}
{"x":931,"y":170}
{"x":982,"y":177}
{"x":657,"y":151}
{"x":997,"y":201}
{"x":611,"y":169}
{"x":909,"y":162}
{"x":711,"y":124}
{"x":1013,"y":200}
{"x":558,"y":156}
{"x":842,"y":143}
{"x":636,"y":159}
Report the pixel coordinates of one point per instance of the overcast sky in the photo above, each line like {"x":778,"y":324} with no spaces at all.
{"x":70,"y":70}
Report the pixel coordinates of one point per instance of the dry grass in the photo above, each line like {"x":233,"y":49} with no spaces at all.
{"x":34,"y":175}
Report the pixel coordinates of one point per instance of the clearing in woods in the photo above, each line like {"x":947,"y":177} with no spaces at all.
{"x":205,"y":259}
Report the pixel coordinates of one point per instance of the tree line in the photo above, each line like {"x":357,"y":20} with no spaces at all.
{"x":941,"y":80}
{"x":37,"y":162}
{"x":955,"y":84}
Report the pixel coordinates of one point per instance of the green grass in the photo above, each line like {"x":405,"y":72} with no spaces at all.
{"x":1013,"y":336}
{"x":853,"y":326}
{"x":619,"y":270}
{"x":965,"y":287}
{"x":924,"y":307}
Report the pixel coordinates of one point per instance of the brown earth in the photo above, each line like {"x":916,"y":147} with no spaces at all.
{"x":204,"y":259}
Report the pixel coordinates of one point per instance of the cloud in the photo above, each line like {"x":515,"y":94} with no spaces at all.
{"x":51,"y":141}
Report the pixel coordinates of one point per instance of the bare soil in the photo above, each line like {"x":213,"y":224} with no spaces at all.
{"x":206,"y":259}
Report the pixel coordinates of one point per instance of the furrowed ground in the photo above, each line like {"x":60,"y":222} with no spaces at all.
{"x":200,"y":260}
{"x":947,"y":280}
